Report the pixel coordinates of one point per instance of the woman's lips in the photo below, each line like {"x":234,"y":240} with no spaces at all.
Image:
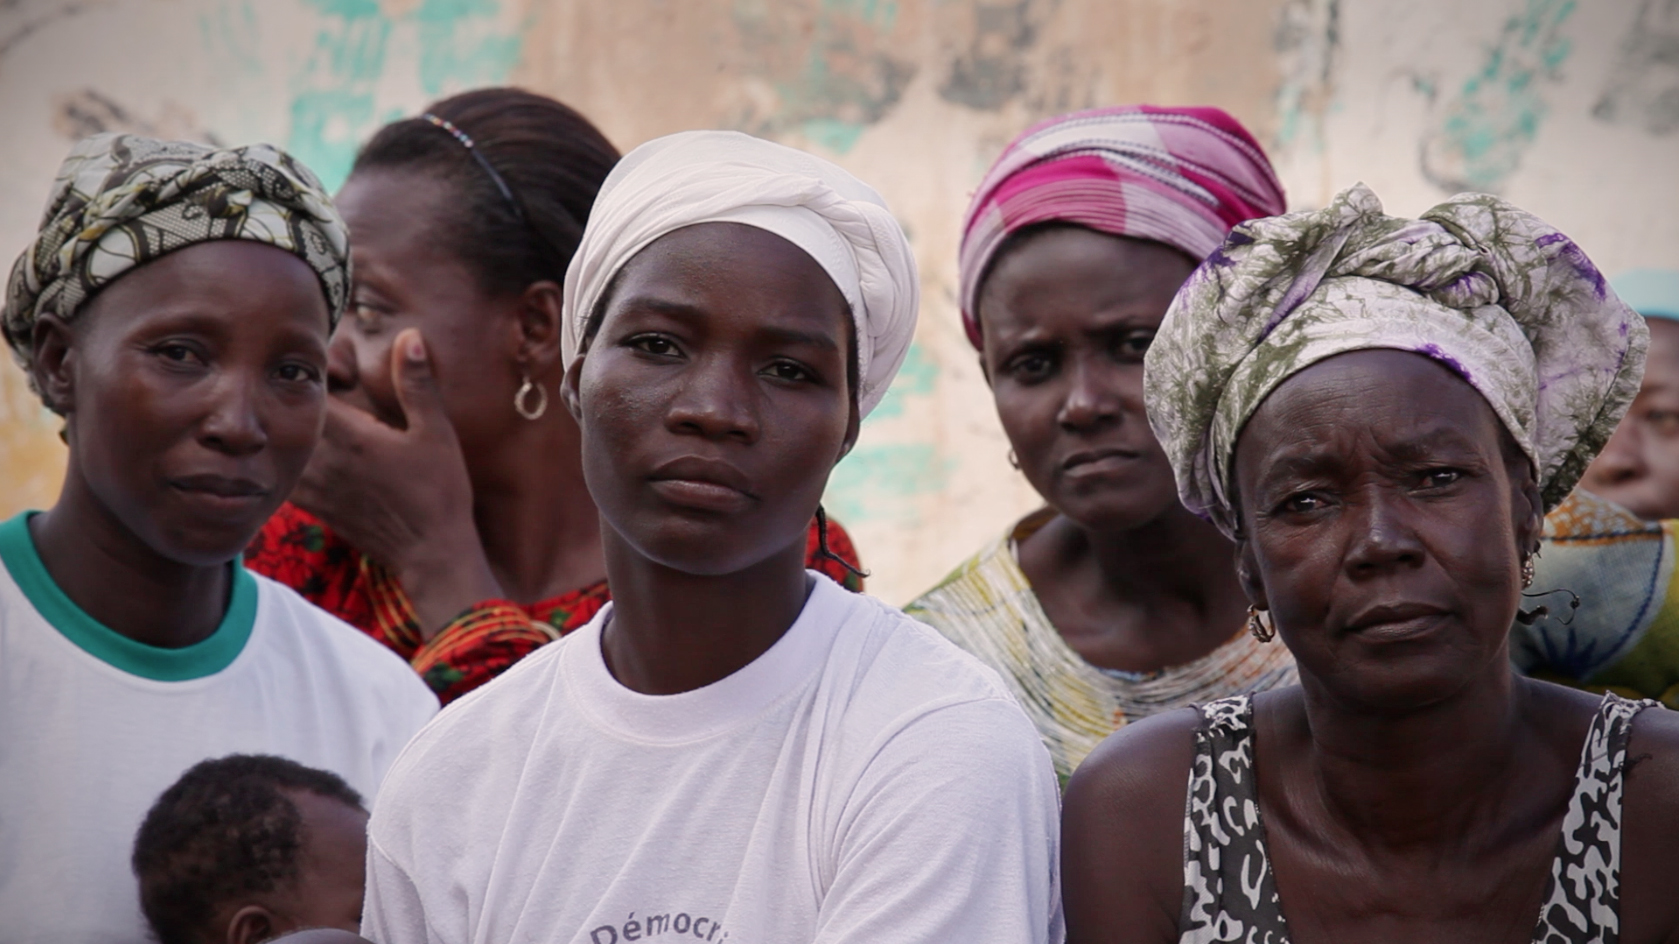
{"x":1393,"y":622}
{"x":221,"y":492}
{"x":702,"y":484}
{"x":702,"y":496}
{"x":1098,"y":461}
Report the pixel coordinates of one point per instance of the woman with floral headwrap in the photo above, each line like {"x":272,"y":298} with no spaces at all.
{"x":1379,"y":411}
{"x":734,"y":748}
{"x":1113,"y":602}
{"x":174,"y":309}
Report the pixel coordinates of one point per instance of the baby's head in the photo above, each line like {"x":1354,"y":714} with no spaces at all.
{"x":248,"y":847}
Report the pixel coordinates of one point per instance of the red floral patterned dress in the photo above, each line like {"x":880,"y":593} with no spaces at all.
{"x":298,"y":550}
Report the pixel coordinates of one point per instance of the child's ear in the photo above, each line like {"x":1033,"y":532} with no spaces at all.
{"x":251,"y":925}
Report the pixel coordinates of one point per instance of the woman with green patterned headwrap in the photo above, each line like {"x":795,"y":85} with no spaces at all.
{"x":174,"y":309}
{"x":1379,"y":411}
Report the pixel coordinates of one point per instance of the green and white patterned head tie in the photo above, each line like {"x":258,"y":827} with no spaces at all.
{"x":123,"y":200}
{"x":1491,"y":291}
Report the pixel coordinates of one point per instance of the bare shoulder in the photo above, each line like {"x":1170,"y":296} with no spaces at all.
{"x":1650,"y":830}
{"x":1122,"y":833}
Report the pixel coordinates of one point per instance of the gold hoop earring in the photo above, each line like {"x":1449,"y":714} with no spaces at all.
{"x":1262,"y":627}
{"x":530,"y":412}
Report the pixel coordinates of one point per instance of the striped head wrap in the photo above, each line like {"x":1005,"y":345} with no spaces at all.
{"x":123,"y":200}
{"x":1179,"y":176}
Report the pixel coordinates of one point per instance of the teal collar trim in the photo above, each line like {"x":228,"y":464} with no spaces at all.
{"x":205,"y":657}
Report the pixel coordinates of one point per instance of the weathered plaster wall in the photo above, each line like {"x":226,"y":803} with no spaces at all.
{"x":1569,"y":108}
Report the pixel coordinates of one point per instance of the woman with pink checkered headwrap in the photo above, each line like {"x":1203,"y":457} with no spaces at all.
{"x":1113,"y":602}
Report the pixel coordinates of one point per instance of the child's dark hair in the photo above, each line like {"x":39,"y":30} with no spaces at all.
{"x":522,"y":188}
{"x":225,"y":829}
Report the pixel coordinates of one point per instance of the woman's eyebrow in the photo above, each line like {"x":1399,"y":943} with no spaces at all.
{"x":793,"y":336}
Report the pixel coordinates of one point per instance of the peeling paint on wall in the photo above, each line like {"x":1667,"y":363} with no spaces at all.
{"x":1644,"y":90}
{"x":989,"y":70}
{"x":1481,"y":133}
{"x":459,"y":44}
{"x":828,"y":76}
{"x":1308,"y":32}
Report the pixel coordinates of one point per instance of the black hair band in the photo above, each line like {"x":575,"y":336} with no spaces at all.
{"x":471,"y":148}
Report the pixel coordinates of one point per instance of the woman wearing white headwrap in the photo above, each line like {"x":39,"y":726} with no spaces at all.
{"x":734,"y":747}
{"x":1379,"y":411}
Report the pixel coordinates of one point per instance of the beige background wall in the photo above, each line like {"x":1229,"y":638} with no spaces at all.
{"x":1568,"y":107}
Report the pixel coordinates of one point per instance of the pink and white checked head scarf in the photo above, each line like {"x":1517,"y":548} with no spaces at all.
{"x":1179,"y":176}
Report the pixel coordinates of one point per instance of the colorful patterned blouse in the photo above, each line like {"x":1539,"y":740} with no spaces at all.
{"x":1624,"y":637}
{"x":298,"y":550}
{"x":988,"y":608}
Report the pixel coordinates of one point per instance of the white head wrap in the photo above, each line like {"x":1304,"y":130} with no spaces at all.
{"x":727,"y":177}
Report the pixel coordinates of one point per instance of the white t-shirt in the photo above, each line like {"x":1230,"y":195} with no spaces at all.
{"x":862,"y":781}
{"x":94,"y":726}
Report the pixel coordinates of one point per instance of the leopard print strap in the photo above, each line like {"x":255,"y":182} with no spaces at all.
{"x":1583,"y":896}
{"x":1229,"y":893}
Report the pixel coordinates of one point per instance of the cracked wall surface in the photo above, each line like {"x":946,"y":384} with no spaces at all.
{"x":1570,"y":109}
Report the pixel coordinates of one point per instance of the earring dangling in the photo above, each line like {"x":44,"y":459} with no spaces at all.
{"x":1262,"y":627}
{"x":530,"y":412}
{"x":1527,"y":570}
{"x":1014,"y":460}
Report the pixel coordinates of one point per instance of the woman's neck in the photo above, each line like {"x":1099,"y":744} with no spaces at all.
{"x":119,"y":580}
{"x":540,"y":530}
{"x":674,"y":632}
{"x":1402,"y":781}
{"x":1142,"y":599}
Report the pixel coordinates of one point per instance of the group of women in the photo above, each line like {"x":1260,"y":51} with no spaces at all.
{"x":1296,"y":468}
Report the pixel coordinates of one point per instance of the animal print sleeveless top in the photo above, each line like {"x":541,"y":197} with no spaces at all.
{"x":1230,"y":894}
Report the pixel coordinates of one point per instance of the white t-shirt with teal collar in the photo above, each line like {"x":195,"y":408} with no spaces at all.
{"x":94,"y":726}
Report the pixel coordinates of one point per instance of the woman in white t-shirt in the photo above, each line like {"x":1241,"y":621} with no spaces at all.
{"x":174,"y":309}
{"x":735,"y":748}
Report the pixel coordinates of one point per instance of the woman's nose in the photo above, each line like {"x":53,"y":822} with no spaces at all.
{"x":1383,"y":539}
{"x":714,"y":401}
{"x":1094,"y":397}
{"x":234,"y":425}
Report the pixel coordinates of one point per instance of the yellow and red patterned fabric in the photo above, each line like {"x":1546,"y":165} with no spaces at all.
{"x":298,"y":550}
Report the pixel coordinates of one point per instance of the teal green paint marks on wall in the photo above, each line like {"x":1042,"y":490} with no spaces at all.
{"x":916,"y":378}
{"x":877,"y":483}
{"x":832,"y":133}
{"x":882,"y":482}
{"x":1483,"y":131}
{"x":462,"y":44}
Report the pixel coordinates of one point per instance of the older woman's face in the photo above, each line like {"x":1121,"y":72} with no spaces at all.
{"x":1067,"y":318}
{"x":1384,"y":513}
{"x":714,"y":398}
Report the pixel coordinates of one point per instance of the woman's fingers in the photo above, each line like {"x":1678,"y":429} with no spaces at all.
{"x":416,"y":385}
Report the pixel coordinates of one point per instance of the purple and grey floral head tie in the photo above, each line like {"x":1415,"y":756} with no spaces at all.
{"x":1491,"y":291}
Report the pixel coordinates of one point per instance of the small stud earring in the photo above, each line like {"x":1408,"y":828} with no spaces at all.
{"x":1260,"y":624}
